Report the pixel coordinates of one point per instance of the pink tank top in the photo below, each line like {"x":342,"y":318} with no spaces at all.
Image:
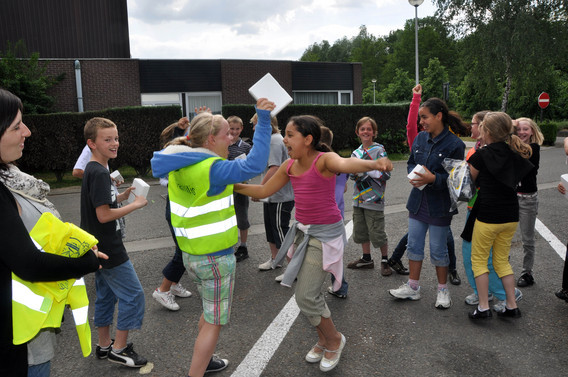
{"x":314,"y":196}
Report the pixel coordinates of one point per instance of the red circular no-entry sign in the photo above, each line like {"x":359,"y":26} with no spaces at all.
{"x":543,"y":100}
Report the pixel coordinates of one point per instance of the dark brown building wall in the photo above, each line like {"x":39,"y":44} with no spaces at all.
{"x":357,"y":83}
{"x":67,"y":28}
{"x":106,"y":83}
{"x":239,"y":75}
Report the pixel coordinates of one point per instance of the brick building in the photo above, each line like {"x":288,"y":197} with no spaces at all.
{"x":98,"y":64}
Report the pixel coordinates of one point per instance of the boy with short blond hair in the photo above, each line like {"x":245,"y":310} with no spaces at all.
{"x":117,"y":280}
{"x":239,"y":149}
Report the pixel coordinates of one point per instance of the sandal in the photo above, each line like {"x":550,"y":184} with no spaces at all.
{"x":313,"y":356}
{"x":328,"y":364}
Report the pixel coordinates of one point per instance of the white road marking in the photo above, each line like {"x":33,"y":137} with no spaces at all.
{"x":260,"y":354}
{"x":558,"y":246}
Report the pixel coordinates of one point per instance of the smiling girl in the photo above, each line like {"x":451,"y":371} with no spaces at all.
{"x":317,"y":248}
{"x":527,"y":193}
{"x":429,"y":207}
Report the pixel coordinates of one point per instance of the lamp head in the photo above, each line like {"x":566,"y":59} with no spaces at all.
{"x":415,"y":3}
{"x":374,"y":81}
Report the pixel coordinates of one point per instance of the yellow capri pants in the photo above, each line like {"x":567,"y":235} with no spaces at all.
{"x":499,"y":237}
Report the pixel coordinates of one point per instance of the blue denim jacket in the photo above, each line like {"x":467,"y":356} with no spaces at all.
{"x":430,"y":153}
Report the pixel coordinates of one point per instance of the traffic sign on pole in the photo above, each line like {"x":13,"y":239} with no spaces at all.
{"x":543,"y":100}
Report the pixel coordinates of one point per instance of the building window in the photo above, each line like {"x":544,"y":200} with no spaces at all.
{"x":161,"y":99}
{"x":211,"y":100}
{"x":323,"y":97}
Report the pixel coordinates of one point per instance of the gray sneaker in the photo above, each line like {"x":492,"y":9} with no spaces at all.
{"x":500,"y":306}
{"x":473,"y":299}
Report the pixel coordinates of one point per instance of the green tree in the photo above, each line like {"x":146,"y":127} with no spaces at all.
{"x":433,"y":78}
{"x":510,"y":42}
{"x":27,"y":78}
{"x":400,"y":89}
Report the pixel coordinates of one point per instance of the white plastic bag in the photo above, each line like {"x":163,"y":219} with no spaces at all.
{"x":460,"y":184}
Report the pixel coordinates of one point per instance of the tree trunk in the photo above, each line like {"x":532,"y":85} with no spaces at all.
{"x":505,"y":101}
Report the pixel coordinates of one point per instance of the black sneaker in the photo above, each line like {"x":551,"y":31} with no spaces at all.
{"x":454,"y":278}
{"x":510,"y":313}
{"x":398,"y":267}
{"x":216,"y":364}
{"x":127,"y":357}
{"x":525,"y":280}
{"x":478,"y":314}
{"x":102,"y":353}
{"x":562,"y":294}
{"x":241,"y":254}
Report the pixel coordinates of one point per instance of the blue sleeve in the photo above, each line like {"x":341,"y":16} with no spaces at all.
{"x":226,"y":172}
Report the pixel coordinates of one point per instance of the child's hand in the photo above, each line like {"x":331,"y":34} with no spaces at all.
{"x":202,"y":109}
{"x":383,"y":164}
{"x":99,"y":254}
{"x":139,"y":201}
{"x":417,"y":89}
{"x":264,"y":104}
{"x":562,"y":189}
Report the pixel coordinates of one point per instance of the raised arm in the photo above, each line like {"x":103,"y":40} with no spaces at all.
{"x":411,"y":126}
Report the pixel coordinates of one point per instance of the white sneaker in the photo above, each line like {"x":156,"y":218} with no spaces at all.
{"x":443,"y":300}
{"x":179,"y":290}
{"x":279,"y":278}
{"x":166,"y":299}
{"x":473,"y":299}
{"x":267,"y":265}
{"x":405,"y":292}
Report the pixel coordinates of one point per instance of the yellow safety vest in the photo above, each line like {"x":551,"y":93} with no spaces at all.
{"x":40,"y":305}
{"x":202,"y":224}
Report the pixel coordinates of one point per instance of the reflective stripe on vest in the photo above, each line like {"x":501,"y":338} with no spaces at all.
{"x":23,"y":295}
{"x":216,"y":205}
{"x":206,"y":230}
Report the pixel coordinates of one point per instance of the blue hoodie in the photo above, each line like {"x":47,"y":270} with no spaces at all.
{"x":223,"y":172}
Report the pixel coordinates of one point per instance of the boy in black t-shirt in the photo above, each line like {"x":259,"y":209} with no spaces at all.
{"x":117,"y":280}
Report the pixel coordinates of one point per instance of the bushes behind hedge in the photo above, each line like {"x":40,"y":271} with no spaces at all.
{"x":549,"y":131}
{"x":390,"y":118}
{"x":57,"y":139}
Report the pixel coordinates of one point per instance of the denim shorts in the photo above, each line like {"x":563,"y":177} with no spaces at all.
{"x":438,"y":242}
{"x":215,"y":280}
{"x":120,"y":284}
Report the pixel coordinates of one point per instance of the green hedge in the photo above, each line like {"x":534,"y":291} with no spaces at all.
{"x":57,"y":139}
{"x":549,"y":131}
{"x":391,"y":119}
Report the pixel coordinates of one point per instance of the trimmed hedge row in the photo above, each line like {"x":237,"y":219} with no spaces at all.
{"x":391,"y":119}
{"x":57,"y":139}
{"x":549,"y":131}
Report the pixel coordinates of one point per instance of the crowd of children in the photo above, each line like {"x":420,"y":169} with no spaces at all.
{"x":207,"y":166}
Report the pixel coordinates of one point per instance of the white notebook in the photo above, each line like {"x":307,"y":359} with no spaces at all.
{"x":268,"y":87}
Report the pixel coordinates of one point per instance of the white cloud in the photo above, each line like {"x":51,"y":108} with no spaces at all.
{"x":247,"y":29}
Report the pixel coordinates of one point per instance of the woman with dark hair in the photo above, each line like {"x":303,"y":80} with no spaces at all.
{"x":18,"y":254}
{"x":429,"y":200}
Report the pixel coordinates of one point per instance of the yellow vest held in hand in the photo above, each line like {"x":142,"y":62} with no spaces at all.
{"x":40,"y":305}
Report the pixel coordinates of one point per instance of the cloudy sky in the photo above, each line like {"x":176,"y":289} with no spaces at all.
{"x":246,"y":29}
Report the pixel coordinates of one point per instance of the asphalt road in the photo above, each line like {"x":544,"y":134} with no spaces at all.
{"x":384,"y":336}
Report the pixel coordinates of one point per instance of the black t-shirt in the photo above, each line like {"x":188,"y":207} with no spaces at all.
{"x":97,"y":190}
{"x":497,"y":202}
{"x":528,"y":183}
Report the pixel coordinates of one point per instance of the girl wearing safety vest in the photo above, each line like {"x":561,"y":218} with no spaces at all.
{"x":200,"y":191}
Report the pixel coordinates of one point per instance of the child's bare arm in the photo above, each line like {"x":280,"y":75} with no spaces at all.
{"x":106,"y":214}
{"x":337,"y":164}
{"x":275,"y":183}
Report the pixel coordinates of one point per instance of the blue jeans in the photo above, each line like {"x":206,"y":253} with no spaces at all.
{"x":401,"y":248}
{"x":40,"y":370}
{"x":119,"y":283}
{"x":344,"y":285}
{"x":438,"y":242}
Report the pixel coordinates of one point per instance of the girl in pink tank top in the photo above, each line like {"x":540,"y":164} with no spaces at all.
{"x":317,"y":234}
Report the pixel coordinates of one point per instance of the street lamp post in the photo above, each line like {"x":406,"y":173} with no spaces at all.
{"x":416,"y":4}
{"x":374,"y":81}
